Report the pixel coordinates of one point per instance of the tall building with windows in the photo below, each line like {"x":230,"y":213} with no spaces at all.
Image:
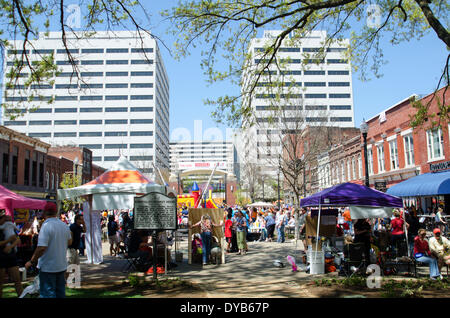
{"x":320,"y":92}
{"x":119,"y":107}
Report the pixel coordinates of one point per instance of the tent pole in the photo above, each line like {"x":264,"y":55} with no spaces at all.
{"x":318,"y":227}
{"x":406,"y":233}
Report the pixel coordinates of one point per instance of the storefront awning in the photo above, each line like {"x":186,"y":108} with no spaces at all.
{"x":427,"y":184}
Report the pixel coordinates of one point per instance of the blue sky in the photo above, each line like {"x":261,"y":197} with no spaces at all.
{"x":413,"y":68}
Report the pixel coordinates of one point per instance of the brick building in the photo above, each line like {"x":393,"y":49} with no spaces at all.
{"x":80,"y":157}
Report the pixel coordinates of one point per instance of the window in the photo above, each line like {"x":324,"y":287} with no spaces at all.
{"x":314,"y":72}
{"x":336,"y":49}
{"x":315,"y":107}
{"x":15,"y":161}
{"x":91,"y":74}
{"x":141,"y":121}
{"x":349,"y":176}
{"x":116,"y":121}
{"x":141,"y":85}
{"x":95,"y":158}
{"x":92,"y":62}
{"x":370,"y":160}
{"x":65,"y":110}
{"x":141,"y":97}
{"x":71,"y":51}
{"x":41,"y":86}
{"x":91,"y":134}
{"x":338,"y":84}
{"x":290,"y":72}
{"x":115,"y":62}
{"x":311,"y":49}
{"x":340,"y":107}
{"x":91,"y":122}
{"x":314,"y":84}
{"x":14,"y":123}
{"x":338,"y":73}
{"x":65,"y":122}
{"x":380,"y":153}
{"x":65,"y":98}
{"x":111,"y":158}
{"x":141,"y":109}
{"x":116,"y":146}
{"x":116,"y":109}
{"x":141,"y":133}
{"x":91,"y":146}
{"x":66,"y":86}
{"x":65,"y":74}
{"x":435,"y":144}
{"x":137,"y":158}
{"x":142,"y":50}
{"x":92,"y":50}
{"x":339,"y":95}
{"x":315,"y":119}
{"x":393,"y":151}
{"x":116,"y":73}
{"x":359,"y":166}
{"x":116,"y":97}
{"x":141,"y":146}
{"x":287,"y":49}
{"x":92,"y":97}
{"x":315,"y":95}
{"x":39,"y":135}
{"x":41,"y":111}
{"x":313,"y":61}
{"x":115,"y":133}
{"x":91,"y":110}
{"x":141,"y":61}
{"x":342,"y":172}
{"x":47,"y":181}
{"x":340,"y":119}
{"x":116,"y":85}
{"x":91,"y":86}
{"x":337,"y":61}
{"x":117,"y":50}
{"x":53,"y":181}
{"x":39,"y":122}
{"x":43,"y":51}
{"x":142,"y":73}
{"x":64,"y":134}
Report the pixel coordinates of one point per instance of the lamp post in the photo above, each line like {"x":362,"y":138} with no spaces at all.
{"x":364,"y":129}
{"x":278,"y":184}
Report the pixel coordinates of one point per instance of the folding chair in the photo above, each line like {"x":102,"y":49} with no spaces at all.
{"x":132,"y":262}
{"x":354,"y":260}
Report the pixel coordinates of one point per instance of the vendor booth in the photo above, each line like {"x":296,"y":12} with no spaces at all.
{"x":114,"y":189}
{"x":9,"y":201}
{"x":363,"y":202}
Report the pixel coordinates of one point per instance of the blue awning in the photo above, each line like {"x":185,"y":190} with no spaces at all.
{"x":427,"y":184}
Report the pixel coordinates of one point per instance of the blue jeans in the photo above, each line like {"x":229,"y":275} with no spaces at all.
{"x":432,"y":262}
{"x":263,"y":234}
{"x":52,"y":285}
{"x":280,"y":236}
{"x":206,"y":241}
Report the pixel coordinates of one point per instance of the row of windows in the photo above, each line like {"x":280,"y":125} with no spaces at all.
{"x":305,"y":61}
{"x":74,"y":122}
{"x":305,"y":49}
{"x":300,"y":96}
{"x":307,"y":119}
{"x":307,"y":84}
{"x":91,"y":110}
{"x":74,"y":51}
{"x":115,"y":158}
{"x":101,"y":62}
{"x":335,"y":72}
{"x":116,"y":146}
{"x":91,"y":134}
{"x":84,"y":86}
{"x":307,"y":107}
{"x":101,"y":74}
{"x":90,"y":97}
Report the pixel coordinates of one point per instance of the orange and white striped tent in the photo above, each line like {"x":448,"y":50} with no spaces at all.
{"x":116,"y":187}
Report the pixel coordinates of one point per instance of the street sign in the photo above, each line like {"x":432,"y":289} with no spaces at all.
{"x":155,"y":211}
{"x":380,"y":186}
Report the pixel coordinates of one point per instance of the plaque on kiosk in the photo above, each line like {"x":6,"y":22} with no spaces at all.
{"x":155,"y":211}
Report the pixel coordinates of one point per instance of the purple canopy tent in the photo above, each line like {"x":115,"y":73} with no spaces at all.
{"x":364,"y":202}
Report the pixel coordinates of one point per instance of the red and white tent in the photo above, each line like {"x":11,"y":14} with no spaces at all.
{"x":116,"y":188}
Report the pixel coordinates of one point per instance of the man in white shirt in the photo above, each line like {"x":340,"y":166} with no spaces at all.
{"x":279,"y":225}
{"x":50,"y":254}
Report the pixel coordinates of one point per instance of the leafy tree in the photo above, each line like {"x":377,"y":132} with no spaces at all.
{"x":21,"y":21}
{"x":69,"y":180}
{"x":225,"y":27}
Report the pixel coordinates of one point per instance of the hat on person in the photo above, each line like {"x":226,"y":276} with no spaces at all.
{"x":436,"y":230}
{"x":50,"y":207}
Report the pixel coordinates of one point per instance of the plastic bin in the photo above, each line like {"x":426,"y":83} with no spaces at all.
{"x":316,"y":260}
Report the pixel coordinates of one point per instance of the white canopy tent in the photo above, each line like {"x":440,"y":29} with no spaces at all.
{"x":114,"y":189}
{"x":262,"y":204}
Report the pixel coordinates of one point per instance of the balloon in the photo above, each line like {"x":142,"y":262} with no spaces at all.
{"x":291,"y":261}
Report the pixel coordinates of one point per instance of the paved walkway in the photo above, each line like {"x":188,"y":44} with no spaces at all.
{"x":242,"y":276}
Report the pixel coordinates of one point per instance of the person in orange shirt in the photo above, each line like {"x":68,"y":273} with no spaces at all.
{"x":348,"y":220}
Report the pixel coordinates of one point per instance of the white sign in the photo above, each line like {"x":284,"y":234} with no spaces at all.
{"x":201,"y":165}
